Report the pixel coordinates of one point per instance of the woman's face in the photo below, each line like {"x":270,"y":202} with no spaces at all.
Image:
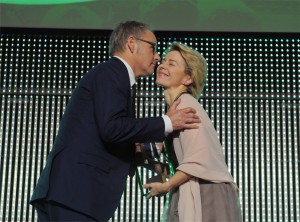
{"x":170,"y":73}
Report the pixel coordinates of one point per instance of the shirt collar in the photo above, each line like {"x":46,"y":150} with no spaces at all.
{"x":130,"y":71}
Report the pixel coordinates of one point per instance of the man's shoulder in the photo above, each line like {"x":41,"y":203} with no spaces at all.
{"x":112,"y":63}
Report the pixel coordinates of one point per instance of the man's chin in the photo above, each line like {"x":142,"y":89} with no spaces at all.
{"x":144,"y":75}
{"x":147,"y":74}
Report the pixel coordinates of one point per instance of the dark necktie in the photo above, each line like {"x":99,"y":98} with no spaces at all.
{"x":132,"y":114}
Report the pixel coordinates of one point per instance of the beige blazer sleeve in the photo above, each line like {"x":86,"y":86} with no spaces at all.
{"x":199,"y":154}
{"x":199,"y":151}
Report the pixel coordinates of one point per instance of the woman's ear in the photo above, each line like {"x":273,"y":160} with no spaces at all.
{"x":187,"y":81}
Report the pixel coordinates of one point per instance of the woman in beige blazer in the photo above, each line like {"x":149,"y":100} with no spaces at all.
{"x":202,"y":188}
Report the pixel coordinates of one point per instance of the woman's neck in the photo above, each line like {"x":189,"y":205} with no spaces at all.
{"x":172,"y":95}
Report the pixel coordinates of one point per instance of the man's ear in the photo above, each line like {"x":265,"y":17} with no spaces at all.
{"x":131,"y":43}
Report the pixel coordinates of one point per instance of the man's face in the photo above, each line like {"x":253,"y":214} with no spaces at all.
{"x":146,"y":55}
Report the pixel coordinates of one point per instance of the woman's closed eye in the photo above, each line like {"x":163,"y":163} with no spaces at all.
{"x":169,"y":63}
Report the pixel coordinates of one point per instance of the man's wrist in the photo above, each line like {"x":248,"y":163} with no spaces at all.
{"x":168,"y":124}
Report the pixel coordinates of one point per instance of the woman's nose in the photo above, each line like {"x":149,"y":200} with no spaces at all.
{"x":160,"y":66}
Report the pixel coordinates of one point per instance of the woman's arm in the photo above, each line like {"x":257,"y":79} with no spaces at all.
{"x":158,"y":189}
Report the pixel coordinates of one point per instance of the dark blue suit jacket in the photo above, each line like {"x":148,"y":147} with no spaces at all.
{"x":88,"y":165}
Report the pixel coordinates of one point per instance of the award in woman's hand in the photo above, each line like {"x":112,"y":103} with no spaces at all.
{"x":148,"y":156}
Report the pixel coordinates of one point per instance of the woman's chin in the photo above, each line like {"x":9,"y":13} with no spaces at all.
{"x":161,"y":85}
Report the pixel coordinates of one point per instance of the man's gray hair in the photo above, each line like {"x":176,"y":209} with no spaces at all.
{"x":120,"y":34}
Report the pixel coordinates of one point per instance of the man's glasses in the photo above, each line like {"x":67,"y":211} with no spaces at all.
{"x":153,"y":45}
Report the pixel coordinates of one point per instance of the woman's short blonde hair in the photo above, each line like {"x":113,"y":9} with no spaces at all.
{"x":195,"y":66}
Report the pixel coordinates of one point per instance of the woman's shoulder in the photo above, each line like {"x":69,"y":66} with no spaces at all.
{"x":187,"y":100}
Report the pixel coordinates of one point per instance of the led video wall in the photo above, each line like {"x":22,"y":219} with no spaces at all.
{"x":195,"y":15}
{"x":252,"y":96}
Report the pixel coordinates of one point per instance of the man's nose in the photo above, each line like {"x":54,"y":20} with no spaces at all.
{"x":157,"y":57}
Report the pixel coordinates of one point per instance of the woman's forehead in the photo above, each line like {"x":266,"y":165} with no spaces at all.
{"x":174,"y":56}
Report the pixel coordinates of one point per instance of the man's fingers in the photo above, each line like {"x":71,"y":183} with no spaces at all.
{"x":189,"y":116}
{"x":186,"y":118}
{"x":191,"y":126}
{"x":186,"y":121}
{"x":188,"y":110}
{"x":193,"y":119}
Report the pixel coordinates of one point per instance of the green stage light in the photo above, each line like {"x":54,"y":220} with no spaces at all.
{"x":43,"y":2}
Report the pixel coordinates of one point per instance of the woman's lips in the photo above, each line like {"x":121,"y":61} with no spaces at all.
{"x":159,"y":73}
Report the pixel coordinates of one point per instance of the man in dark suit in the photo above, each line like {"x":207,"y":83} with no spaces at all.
{"x":87,"y":168}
